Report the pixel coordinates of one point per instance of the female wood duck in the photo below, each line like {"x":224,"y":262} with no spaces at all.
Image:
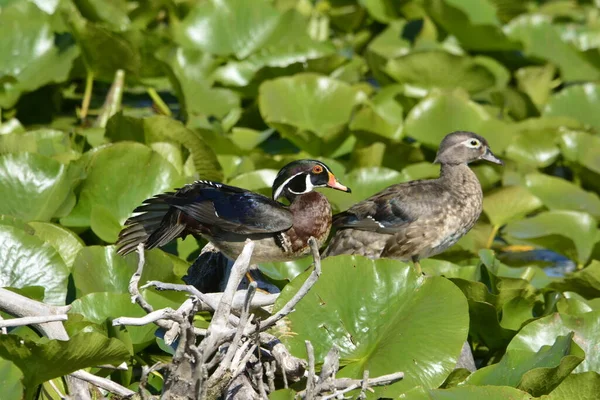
{"x":422,"y":218}
{"x":228,"y":215}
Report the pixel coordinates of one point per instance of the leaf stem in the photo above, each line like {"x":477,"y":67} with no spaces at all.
{"x":87,"y":95}
{"x":493,"y":233}
{"x":162,"y":106}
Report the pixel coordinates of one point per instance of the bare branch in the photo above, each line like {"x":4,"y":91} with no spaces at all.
{"x":311,"y":378}
{"x":32,"y":320}
{"x":103,"y":383}
{"x":136,"y":297}
{"x":164,"y":313}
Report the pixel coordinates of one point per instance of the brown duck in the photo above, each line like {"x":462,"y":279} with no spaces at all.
{"x":422,"y":218}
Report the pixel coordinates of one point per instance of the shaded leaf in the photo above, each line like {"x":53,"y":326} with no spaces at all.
{"x":50,"y":359}
{"x":544,"y":228}
{"x":11,"y":380}
{"x":583,"y":386}
{"x":580,"y":102}
{"x":411,"y":319}
{"x":585,"y":282}
{"x":478,"y":392}
{"x":66,"y":243}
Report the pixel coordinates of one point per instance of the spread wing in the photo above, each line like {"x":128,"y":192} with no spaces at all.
{"x":200,"y":206}
{"x":390,"y":210}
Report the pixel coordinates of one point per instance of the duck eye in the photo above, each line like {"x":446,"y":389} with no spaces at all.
{"x":474,"y":143}
{"x":317,"y":169}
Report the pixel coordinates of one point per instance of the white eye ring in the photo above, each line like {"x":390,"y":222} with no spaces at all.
{"x":472,"y":143}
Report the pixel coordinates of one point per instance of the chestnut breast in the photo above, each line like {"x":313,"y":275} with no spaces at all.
{"x":312,"y":217}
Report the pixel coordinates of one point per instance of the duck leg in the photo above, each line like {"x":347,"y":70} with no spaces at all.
{"x":417,"y":264}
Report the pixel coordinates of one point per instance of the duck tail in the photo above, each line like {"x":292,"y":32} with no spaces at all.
{"x":158,"y":224}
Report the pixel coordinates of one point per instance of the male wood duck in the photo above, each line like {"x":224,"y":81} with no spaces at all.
{"x":228,"y":215}
{"x":422,"y":218}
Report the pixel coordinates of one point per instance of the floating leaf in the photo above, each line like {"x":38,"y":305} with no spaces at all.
{"x":29,"y":54}
{"x":544,"y":331}
{"x":29,"y":261}
{"x":32,"y":186}
{"x":102,"y":306}
{"x":147,"y":174}
{"x":414,"y":313}
{"x":478,"y":393}
{"x":50,"y":359}
{"x":302,"y":109}
{"x":11,"y":380}
{"x":580,"y":102}
{"x":533,"y":147}
{"x":509,"y":203}
{"x":549,"y":229}
{"x":541,"y":39}
{"x":535,"y":372}
{"x":558,"y":193}
{"x":581,"y":148}
{"x":585,"y":282}
{"x":63,"y":240}
{"x":438,"y":69}
{"x":584,"y":386}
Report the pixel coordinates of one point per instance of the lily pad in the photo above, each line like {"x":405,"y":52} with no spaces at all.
{"x":33,"y":187}
{"x":583,"y":386}
{"x":544,"y":331}
{"x":29,"y":261}
{"x":509,"y":203}
{"x":478,"y":393}
{"x":580,"y":102}
{"x":582,"y":148}
{"x":549,"y":229}
{"x":101,"y":269}
{"x":147,"y":174}
{"x":11,"y":380}
{"x":585,"y":282}
{"x":537,"y":372}
{"x":541,"y":39}
{"x":102,"y":306}
{"x":63,"y":240}
{"x":438,"y":69}
{"x":558,"y":193}
{"x":302,"y":109}
{"x":50,"y":359}
{"x":29,"y":54}
{"x":414,"y":313}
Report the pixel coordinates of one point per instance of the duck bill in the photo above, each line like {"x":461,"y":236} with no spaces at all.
{"x":334,"y":184}
{"x":489,"y":156}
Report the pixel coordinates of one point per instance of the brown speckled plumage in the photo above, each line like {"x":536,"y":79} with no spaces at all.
{"x":417,"y":219}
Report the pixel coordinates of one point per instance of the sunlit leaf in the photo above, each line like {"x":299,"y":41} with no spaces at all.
{"x":583,"y":386}
{"x":11,"y":380}
{"x":509,"y":203}
{"x":581,"y":148}
{"x":405,"y":335}
{"x":578,"y":101}
{"x":63,"y":240}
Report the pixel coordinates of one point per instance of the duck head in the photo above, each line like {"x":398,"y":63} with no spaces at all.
{"x":463,"y":147}
{"x":302,"y":176}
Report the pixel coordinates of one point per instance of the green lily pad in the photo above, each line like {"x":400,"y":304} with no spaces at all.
{"x":50,"y":359}
{"x":29,"y":54}
{"x":29,"y":261}
{"x":63,"y":240}
{"x":550,"y":229}
{"x":280,"y":271}
{"x":11,"y":380}
{"x":537,"y":372}
{"x":48,"y":142}
{"x":583,"y":386}
{"x":441,"y":113}
{"x":102,"y":306}
{"x":192,"y":79}
{"x":382,"y":115}
{"x":533,"y":147}
{"x":474,"y":24}
{"x":33,"y":187}
{"x":438,"y":69}
{"x":536,"y":82}
{"x":478,"y":393}
{"x":413,"y":314}
{"x":159,"y":129}
{"x":508,"y":204}
{"x":558,"y":193}
{"x":541,"y":39}
{"x":579,"y":102}
{"x":544,"y":331}
{"x":574,"y":304}
{"x":585,"y":282}
{"x":582,"y":148}
{"x":101,"y":269}
{"x":148,"y":174}
{"x":302,"y":109}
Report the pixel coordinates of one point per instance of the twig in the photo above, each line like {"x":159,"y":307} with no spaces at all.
{"x":112,"y":103}
{"x":136,"y":297}
{"x":311,"y":378}
{"x":32,"y":320}
{"x":306,"y":286}
{"x":165,"y":313}
{"x":3,"y":330}
{"x":87,"y":95}
{"x":103,"y":383}
{"x":364,"y":386}
{"x":341,"y":386}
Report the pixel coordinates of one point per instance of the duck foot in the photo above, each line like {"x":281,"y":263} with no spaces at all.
{"x":417,"y":265}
